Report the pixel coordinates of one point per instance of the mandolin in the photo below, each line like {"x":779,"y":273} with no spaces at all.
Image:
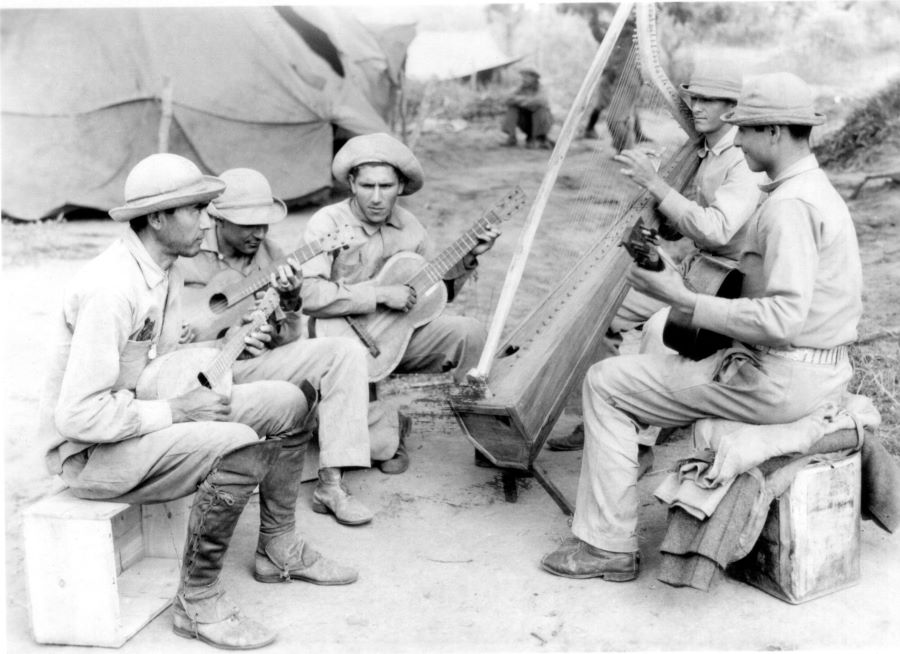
{"x":213,"y":308}
{"x":183,"y":370}
{"x":386,"y":332}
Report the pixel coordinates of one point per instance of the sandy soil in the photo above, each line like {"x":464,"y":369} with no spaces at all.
{"x":448,"y":565}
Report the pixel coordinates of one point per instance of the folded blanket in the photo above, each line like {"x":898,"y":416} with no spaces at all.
{"x":740,"y":446}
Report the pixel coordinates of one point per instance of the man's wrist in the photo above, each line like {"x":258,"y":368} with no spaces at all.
{"x":658,"y":188}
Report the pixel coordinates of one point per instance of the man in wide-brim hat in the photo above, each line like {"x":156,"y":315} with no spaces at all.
{"x":725,"y":193}
{"x":379,"y":169}
{"x":119,"y":314}
{"x":799,"y":309}
{"x":237,"y":247}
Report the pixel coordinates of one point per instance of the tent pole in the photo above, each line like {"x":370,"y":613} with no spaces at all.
{"x":165,"y":120}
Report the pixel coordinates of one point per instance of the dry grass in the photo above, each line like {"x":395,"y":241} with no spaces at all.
{"x":877,"y":376}
{"x":874,"y":123}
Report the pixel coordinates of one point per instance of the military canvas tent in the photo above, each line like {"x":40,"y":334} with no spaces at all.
{"x":82,"y":89}
{"x":435,"y":55}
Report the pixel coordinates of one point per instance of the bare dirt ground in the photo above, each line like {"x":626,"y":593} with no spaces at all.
{"x":448,"y":565}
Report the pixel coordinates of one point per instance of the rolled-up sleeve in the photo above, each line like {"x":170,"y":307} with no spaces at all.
{"x":775,"y":312}
{"x":88,"y":408}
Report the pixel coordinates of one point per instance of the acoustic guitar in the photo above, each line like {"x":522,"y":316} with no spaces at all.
{"x":178,"y":372}
{"x":213,"y":308}
{"x":386,"y":332}
{"x":706,"y":275}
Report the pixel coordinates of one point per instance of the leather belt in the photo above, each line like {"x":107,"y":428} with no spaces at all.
{"x":806,"y":354}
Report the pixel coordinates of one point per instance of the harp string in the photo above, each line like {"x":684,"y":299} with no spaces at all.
{"x":589,"y":198}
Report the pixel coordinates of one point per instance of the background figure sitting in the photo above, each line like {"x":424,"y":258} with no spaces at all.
{"x":529,"y":110}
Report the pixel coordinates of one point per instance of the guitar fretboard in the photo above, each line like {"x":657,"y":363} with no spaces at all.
{"x":259,"y":280}
{"x":442,"y":263}
{"x":234,"y":345}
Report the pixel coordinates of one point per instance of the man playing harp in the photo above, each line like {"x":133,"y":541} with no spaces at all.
{"x":726,"y":193}
{"x":799,"y":307}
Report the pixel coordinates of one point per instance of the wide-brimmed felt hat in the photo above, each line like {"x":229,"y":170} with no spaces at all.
{"x":775,"y":99}
{"x":714,"y":80}
{"x":165,"y":181}
{"x":379,"y":148}
{"x":247,"y":199}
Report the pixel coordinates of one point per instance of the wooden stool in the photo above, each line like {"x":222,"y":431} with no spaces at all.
{"x":99,"y":571}
{"x":809,"y":545}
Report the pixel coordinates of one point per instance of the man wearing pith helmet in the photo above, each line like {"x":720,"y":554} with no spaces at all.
{"x":379,"y":169}
{"x":714,"y":214}
{"x":237,"y":246}
{"x":121,"y":311}
{"x":799,"y":308}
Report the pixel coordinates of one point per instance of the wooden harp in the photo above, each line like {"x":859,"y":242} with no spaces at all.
{"x":520,"y":387}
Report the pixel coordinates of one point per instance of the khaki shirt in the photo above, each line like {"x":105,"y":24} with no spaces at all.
{"x":200,"y":270}
{"x":338,"y":283}
{"x":120,"y":310}
{"x":802,"y":272}
{"x":727,"y":193}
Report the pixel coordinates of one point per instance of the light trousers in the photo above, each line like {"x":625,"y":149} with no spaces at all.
{"x":622,"y":394}
{"x":336,"y":367}
{"x":168,"y":464}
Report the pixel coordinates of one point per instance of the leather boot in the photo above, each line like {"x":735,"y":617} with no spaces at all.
{"x":201,"y":608}
{"x":574,"y":441}
{"x":580,"y":560}
{"x":281,"y":555}
{"x":331,"y":496}
{"x":398,"y":463}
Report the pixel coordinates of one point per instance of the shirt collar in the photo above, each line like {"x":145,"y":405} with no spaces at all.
{"x":211,"y":241}
{"x":152,"y":273}
{"x":799,"y":167}
{"x":368,"y":227}
{"x":727,"y":141}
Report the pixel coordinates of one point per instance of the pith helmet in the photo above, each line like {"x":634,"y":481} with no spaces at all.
{"x":247,"y":199}
{"x":165,"y":181}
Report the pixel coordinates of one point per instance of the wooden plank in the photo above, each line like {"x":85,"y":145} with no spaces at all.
{"x":165,"y":527}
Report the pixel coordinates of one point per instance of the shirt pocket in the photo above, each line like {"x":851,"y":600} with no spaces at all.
{"x":132,"y":361}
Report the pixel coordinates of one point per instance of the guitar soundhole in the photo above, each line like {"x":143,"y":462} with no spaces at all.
{"x":218,"y":303}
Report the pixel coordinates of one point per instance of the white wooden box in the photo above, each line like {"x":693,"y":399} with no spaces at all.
{"x":98,"y":572}
{"x":809,"y":546}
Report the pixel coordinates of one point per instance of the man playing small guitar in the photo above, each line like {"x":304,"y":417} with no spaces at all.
{"x":238,"y":242}
{"x":726,"y":193}
{"x":378,"y":169}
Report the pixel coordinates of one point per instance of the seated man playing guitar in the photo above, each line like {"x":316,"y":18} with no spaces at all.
{"x":237,"y":247}
{"x":799,"y":308}
{"x":119,"y":317}
{"x":726,"y":194}
{"x":350,"y":282}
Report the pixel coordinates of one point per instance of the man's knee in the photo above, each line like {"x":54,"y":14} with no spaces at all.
{"x":601,"y":380}
{"x":472,"y":332}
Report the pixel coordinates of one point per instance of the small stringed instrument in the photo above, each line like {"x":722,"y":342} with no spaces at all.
{"x":212,"y":309}
{"x":386,"y":332}
{"x":183,"y":370}
{"x":706,"y":275}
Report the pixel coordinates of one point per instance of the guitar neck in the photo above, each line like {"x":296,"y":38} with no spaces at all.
{"x":449,"y":257}
{"x":234,"y":344}
{"x":259,"y":280}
